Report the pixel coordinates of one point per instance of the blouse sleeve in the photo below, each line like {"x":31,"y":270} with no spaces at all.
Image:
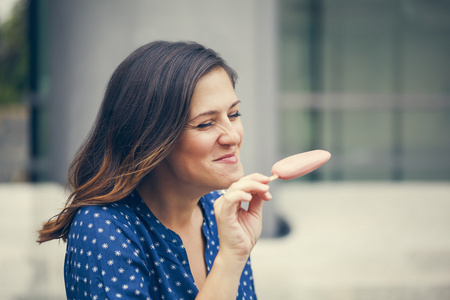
{"x":105,"y":259}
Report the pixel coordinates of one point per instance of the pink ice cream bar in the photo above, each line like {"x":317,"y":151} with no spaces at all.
{"x":299,"y":164}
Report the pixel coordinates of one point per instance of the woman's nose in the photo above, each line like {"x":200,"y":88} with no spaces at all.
{"x":229,"y":135}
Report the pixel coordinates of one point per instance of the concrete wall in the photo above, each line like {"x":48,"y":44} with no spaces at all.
{"x":88,"y":39}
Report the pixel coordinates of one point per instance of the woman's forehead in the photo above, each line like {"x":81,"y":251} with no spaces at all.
{"x":213,"y":92}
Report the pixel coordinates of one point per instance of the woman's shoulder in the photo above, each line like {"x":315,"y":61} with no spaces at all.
{"x":114,"y":211}
{"x":117,"y":216}
{"x":104,"y":226}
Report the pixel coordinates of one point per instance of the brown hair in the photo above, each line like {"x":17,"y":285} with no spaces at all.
{"x":142,"y":115}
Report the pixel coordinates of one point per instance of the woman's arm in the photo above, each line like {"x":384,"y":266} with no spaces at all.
{"x":239,"y":230}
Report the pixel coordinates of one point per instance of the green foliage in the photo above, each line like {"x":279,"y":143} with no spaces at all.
{"x":14,"y":56}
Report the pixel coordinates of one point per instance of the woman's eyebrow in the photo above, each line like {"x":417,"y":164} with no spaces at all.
{"x":213,"y":112}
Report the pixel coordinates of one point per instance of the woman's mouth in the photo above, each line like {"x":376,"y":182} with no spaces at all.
{"x":229,"y":158}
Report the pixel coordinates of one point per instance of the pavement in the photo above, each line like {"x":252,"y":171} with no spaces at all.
{"x":347,"y":241}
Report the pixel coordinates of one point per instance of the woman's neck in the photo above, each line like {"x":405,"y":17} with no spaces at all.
{"x":175,"y":207}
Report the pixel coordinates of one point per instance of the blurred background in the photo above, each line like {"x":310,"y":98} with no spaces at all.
{"x":368,"y":80}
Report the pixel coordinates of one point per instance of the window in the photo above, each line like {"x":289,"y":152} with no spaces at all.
{"x":370,"y":82}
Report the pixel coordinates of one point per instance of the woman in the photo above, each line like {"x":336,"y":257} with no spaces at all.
{"x":144,"y":216}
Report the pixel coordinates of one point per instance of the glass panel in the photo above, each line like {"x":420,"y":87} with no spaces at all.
{"x":361,"y":143}
{"x":378,"y":76}
{"x":426,"y":145}
{"x":359,"y":46}
{"x":294,"y":54}
{"x":296,"y":131}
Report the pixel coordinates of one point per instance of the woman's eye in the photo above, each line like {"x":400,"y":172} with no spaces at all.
{"x":235,"y":115}
{"x":204,"y":125}
{"x":211,"y":123}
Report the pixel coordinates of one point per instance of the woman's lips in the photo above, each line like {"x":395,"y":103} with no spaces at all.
{"x":229,"y":158}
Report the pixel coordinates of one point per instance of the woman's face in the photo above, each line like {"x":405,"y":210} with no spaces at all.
{"x":207,"y":154}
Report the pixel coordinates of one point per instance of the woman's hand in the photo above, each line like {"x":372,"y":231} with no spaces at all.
{"x":239,"y":229}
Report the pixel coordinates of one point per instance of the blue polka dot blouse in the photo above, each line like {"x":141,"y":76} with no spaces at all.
{"x":122,"y":251}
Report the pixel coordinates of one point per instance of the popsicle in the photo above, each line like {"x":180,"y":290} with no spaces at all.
{"x":299,"y":164}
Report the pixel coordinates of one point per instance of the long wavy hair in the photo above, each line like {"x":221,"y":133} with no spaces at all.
{"x":143,"y":113}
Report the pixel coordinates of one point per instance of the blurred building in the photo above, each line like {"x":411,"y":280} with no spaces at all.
{"x":367,"y":80}
{"x":370,"y":81}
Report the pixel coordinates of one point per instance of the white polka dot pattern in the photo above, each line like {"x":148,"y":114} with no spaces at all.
{"x":122,"y":251}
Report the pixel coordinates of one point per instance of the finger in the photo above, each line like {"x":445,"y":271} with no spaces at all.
{"x":249,"y":186}
{"x":229,"y":203}
{"x":257,"y":177}
{"x":257,"y":202}
{"x":233,"y":196}
{"x":266,"y":196}
{"x":255,"y":206}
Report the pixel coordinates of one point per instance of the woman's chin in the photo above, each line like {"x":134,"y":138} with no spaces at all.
{"x":231,"y":178}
